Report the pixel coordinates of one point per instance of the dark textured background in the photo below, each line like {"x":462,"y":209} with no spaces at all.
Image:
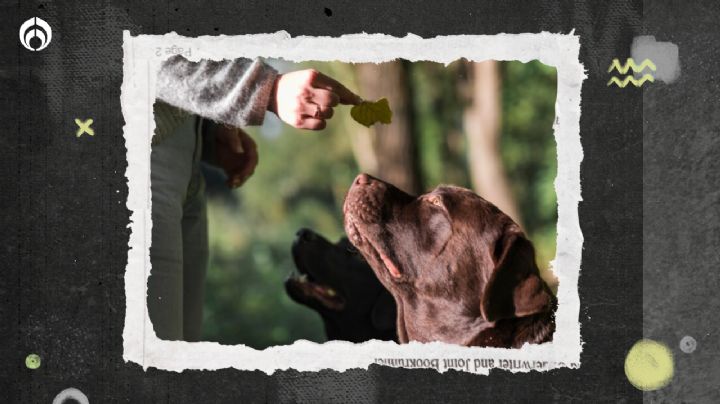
{"x":681,"y":201}
{"x":650,"y":202}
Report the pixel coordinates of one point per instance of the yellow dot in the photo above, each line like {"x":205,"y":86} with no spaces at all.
{"x":32,"y":361}
{"x":649,"y":365}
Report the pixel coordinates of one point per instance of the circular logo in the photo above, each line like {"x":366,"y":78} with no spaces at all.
{"x":35,"y":34}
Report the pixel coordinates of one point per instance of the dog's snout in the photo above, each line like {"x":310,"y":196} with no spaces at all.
{"x":364,"y":199}
{"x":363,"y":179}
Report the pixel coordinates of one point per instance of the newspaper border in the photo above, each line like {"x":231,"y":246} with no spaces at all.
{"x":142,"y":57}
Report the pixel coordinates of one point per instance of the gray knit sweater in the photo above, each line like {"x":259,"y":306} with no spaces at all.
{"x":234,"y":92}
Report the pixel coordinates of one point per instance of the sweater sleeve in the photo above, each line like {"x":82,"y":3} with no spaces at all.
{"x":234,"y":92}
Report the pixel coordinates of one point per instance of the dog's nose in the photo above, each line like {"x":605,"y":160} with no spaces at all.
{"x":305,"y":234}
{"x":363,"y":179}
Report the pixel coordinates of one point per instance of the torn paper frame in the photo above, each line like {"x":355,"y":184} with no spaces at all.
{"x":143,"y":55}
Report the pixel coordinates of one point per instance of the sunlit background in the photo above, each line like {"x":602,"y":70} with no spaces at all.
{"x":302,"y":178}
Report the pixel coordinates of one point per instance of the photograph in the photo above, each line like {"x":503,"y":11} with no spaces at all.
{"x":332,"y":201}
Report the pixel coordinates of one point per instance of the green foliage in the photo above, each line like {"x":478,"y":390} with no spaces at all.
{"x":302,"y":178}
{"x":529,"y":151}
{"x":438,"y":123}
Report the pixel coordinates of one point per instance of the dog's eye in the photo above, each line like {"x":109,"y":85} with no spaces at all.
{"x":434,"y":200}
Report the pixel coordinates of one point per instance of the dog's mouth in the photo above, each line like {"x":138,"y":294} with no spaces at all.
{"x":374,"y":248}
{"x":303,"y":286}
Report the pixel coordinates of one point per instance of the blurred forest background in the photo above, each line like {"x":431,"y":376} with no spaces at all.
{"x":485,"y":126}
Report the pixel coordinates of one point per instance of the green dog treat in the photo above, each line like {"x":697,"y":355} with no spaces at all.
{"x":367,"y":112}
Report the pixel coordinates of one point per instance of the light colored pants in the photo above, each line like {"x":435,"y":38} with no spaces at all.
{"x":179,"y":250}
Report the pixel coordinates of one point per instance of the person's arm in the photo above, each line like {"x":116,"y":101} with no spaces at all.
{"x":234,"y":92}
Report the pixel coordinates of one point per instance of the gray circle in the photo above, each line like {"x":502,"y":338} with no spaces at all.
{"x":71,"y":394}
{"x":688,"y":344}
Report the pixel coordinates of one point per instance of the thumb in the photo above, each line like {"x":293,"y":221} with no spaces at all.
{"x":232,"y":138}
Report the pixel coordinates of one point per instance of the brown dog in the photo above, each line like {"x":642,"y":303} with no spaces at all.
{"x":460,"y":270}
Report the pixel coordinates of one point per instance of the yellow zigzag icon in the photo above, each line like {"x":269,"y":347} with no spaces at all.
{"x":631,"y":64}
{"x":630,"y":79}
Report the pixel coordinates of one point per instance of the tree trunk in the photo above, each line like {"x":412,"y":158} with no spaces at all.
{"x":482,"y":126}
{"x":388,"y":152}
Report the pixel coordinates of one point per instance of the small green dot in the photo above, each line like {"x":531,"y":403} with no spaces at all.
{"x":32,"y":361}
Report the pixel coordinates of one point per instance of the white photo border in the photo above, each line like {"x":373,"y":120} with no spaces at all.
{"x":143,"y":55}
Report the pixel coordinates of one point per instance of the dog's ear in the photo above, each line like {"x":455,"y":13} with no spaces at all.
{"x":384,"y":313}
{"x":514,"y":288}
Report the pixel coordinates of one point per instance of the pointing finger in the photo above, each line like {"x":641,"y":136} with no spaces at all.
{"x":345,"y":96}
{"x":324,"y":97}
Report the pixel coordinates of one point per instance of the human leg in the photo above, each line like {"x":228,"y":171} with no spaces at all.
{"x":172,"y":162}
{"x":195,"y":249}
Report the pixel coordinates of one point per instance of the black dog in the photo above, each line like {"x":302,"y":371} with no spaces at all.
{"x":342,"y":288}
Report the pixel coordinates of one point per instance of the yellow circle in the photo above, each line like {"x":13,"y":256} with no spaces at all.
{"x":649,"y":365}
{"x":32,"y":361}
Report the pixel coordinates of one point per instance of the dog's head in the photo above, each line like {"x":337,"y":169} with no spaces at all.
{"x":449,"y":247}
{"x":335,"y":281}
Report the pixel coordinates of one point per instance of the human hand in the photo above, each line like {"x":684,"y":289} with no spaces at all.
{"x":305,"y":98}
{"x":236,"y":153}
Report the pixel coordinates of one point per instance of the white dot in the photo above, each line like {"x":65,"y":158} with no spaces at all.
{"x":688,"y":344}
